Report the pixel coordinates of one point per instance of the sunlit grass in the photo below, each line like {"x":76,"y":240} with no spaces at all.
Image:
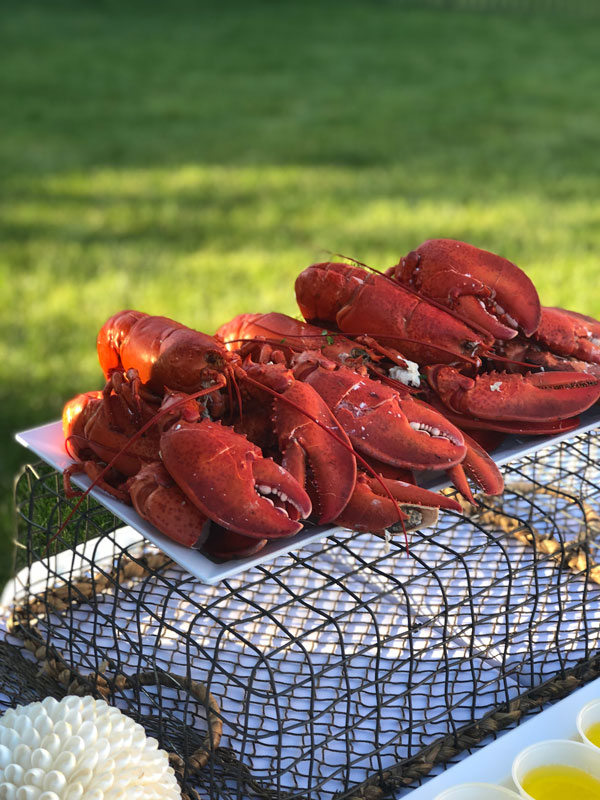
{"x":191,"y":163}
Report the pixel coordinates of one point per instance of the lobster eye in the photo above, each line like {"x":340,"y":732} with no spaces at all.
{"x":213,"y":357}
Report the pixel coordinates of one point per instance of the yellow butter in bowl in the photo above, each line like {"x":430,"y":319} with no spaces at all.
{"x":558,"y":769}
{"x":588,"y":723}
{"x":593,"y":734}
{"x":558,"y":782}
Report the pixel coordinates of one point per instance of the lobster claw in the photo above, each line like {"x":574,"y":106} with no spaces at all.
{"x":481,"y":468}
{"x":324,"y":462}
{"x":372,"y":510}
{"x":227,"y":478}
{"x":483,"y":288}
{"x":314,"y":447}
{"x":567,"y":333}
{"x":157,"y":498}
{"x":359,"y":302}
{"x":535,"y":397}
{"x":386,"y":426}
{"x":223,"y":544}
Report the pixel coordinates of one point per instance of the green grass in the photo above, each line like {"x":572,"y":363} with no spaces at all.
{"x":189,"y":159}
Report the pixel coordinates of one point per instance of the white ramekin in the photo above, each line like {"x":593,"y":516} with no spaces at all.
{"x":588,"y":715}
{"x":552,"y":752}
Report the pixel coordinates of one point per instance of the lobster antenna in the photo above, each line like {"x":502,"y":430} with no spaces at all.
{"x":506,"y":360}
{"x":401,"y":514}
{"x":353,"y":260}
{"x":134,"y":438}
{"x":474,"y":361}
{"x":238,"y":394}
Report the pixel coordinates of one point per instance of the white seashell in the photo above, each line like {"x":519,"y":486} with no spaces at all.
{"x":41,"y":758}
{"x":80,"y":748}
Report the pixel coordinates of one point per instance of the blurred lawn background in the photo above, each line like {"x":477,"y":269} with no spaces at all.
{"x":189,"y":159}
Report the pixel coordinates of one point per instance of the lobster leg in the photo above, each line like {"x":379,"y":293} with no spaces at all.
{"x":98,"y":474}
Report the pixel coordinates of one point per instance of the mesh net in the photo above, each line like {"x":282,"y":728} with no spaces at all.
{"x":335,"y":667}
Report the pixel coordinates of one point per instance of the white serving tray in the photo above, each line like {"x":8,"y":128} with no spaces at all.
{"x":47,"y":442}
{"x":493,"y":763}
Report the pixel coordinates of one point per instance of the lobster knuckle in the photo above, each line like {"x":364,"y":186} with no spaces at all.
{"x":277,"y":377}
{"x":325,"y":288}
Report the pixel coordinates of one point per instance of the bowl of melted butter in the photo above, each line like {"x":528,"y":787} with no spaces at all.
{"x":558,"y":769}
{"x":588,"y":723}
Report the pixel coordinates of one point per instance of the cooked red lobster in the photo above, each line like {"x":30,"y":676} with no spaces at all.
{"x":274,"y":421}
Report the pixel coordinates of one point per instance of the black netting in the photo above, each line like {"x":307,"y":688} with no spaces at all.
{"x":337,"y":665}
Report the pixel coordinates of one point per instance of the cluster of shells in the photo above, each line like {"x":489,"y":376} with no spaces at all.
{"x":80,"y":748}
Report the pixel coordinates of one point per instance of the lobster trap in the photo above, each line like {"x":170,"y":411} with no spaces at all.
{"x":347,"y":668}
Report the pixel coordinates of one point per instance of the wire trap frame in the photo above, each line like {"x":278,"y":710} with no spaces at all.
{"x":341,"y":670}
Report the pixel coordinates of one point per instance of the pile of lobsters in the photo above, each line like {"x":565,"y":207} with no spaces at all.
{"x":225,"y":442}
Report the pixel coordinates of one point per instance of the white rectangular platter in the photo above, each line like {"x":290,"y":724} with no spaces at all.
{"x":47,"y":442}
{"x":493,"y":763}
